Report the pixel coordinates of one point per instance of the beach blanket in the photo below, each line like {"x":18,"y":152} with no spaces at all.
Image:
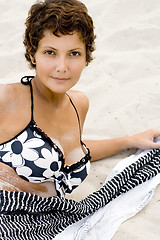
{"x":28,"y":216}
{"x":104,"y":223}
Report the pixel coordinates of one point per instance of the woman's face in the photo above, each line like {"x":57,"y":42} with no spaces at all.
{"x":60,"y":61}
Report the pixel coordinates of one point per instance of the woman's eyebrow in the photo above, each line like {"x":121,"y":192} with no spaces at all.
{"x":50,"y":47}
{"x":74,"y":49}
{"x":78,"y":48}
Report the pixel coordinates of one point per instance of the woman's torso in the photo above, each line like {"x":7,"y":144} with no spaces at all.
{"x":61,"y":125}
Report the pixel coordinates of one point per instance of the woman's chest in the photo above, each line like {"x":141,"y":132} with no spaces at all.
{"x":64,"y":131}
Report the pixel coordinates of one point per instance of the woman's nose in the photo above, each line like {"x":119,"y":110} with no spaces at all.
{"x":61,"y":65}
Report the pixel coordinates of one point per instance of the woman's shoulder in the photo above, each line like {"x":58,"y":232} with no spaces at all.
{"x":6,"y":92}
{"x":10,"y":92}
{"x":81,"y":102}
{"x":80,"y":99}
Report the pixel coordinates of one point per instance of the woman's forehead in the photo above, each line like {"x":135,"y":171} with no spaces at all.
{"x":68,"y":39}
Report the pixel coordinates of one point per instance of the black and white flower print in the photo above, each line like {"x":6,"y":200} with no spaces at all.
{"x":76,"y":177}
{"x":49,"y":162}
{"x":37,"y":159}
{"x":20,"y":149}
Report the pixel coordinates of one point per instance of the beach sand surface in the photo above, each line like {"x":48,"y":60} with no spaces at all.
{"x":122,"y":84}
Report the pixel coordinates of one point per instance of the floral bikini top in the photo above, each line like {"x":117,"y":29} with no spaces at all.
{"x":36,"y":158}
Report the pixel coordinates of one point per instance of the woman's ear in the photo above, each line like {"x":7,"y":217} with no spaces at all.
{"x":32,"y":60}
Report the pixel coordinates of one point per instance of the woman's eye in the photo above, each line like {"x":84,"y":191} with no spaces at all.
{"x":49,"y":53}
{"x":75,"y":54}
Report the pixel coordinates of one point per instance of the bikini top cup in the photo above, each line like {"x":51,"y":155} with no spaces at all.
{"x":36,"y":158}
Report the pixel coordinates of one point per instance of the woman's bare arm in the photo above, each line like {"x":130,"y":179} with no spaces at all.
{"x":105,"y":148}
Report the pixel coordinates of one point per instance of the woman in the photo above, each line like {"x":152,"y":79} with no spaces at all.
{"x":43,"y":155}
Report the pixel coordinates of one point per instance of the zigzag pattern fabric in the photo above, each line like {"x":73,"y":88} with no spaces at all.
{"x":28,"y":216}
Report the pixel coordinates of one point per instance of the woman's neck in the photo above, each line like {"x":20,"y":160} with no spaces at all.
{"x":56,"y":99}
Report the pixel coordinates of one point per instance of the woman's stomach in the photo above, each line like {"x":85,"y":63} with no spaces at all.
{"x":10,"y":181}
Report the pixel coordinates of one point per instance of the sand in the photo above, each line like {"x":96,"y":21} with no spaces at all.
{"x":122,"y":84}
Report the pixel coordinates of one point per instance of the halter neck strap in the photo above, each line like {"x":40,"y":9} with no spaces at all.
{"x":26,"y":80}
{"x":79,"y":123}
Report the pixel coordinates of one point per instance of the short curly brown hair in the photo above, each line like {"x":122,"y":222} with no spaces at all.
{"x":58,"y":16}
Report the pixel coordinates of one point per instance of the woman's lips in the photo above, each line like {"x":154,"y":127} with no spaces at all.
{"x":60,"y":79}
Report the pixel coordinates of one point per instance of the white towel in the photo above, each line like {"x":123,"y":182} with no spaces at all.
{"x":104,"y":223}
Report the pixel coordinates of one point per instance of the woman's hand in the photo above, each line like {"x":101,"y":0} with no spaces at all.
{"x":105,"y":148}
{"x":144,"y":140}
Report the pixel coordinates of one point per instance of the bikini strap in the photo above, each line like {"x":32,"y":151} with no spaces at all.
{"x":79,"y":123}
{"x":26,"y":80}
